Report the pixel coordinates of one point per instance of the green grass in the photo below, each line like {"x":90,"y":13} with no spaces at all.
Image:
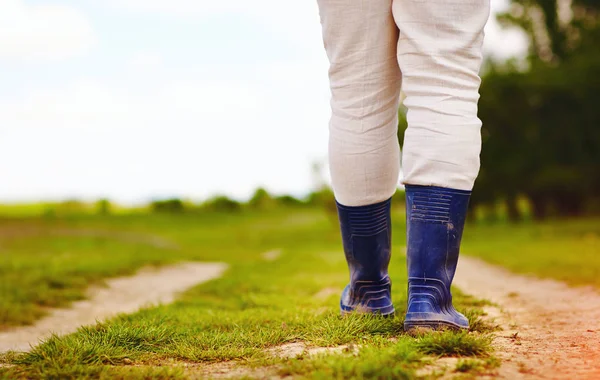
{"x":51,"y":262}
{"x":450,"y":343}
{"x":255,"y":306}
{"x":473,"y":367}
{"x":376,"y":359}
{"x":48,"y":271}
{"x":567,"y":250}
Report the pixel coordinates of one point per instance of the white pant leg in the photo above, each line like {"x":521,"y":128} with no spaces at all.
{"x":440,"y":53}
{"x":360,"y":38}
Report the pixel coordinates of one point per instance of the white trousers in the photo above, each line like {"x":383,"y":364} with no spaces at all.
{"x":433,"y":49}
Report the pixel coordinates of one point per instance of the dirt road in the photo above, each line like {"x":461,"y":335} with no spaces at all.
{"x":121,"y":295}
{"x":550,"y":330}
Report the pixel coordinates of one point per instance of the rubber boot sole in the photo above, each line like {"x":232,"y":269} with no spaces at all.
{"x":385,"y":312}
{"x":416,"y":327}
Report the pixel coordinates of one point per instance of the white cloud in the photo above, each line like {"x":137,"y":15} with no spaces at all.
{"x":502,"y":43}
{"x":146,"y":61}
{"x":42,"y":32}
{"x":193,"y":7}
{"x":149,"y":130}
{"x":193,"y":137}
{"x":295,"y":20}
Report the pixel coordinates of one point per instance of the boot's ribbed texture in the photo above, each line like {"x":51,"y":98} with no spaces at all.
{"x":435,"y":220}
{"x":366,"y":236}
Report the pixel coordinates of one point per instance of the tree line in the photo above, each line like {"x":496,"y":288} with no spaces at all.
{"x":541,"y":117}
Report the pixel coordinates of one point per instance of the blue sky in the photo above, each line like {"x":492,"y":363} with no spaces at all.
{"x":133,"y":99}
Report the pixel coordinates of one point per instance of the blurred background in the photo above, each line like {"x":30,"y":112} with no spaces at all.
{"x":146,"y":132}
{"x":132,"y":101}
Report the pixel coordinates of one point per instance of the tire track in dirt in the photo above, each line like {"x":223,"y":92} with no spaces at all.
{"x":550,"y":330}
{"x":121,"y":295}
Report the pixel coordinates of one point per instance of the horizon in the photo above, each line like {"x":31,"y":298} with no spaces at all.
{"x":134,"y":100}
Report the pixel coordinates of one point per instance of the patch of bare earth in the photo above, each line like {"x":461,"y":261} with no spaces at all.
{"x":17,"y":232}
{"x":271,"y":255}
{"x":326,"y":293}
{"x":121,"y":295}
{"x":293,"y":350}
{"x":237,"y":369}
{"x":550,"y":330}
{"x":439,"y":367}
{"x":229,"y":370}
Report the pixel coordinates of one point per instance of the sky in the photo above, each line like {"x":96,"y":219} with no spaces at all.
{"x":141,"y":99}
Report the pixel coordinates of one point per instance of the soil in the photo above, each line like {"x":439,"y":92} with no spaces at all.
{"x":235,"y":369}
{"x":550,"y":330}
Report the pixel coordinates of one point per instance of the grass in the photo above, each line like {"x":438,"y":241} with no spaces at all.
{"x":566,"y":250}
{"x":449,"y":343}
{"x":255,"y":306}
{"x":51,"y":262}
{"x":49,"y":271}
{"x":377,"y":359}
{"x":473,"y":367}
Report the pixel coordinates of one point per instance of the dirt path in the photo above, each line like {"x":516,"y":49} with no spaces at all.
{"x":558,"y":327}
{"x":121,"y":295}
{"x":16,"y":232}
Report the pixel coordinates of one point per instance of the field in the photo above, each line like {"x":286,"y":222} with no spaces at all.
{"x":282,"y":287}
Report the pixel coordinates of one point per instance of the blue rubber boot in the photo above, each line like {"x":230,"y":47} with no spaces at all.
{"x":435,"y":218}
{"x":366,"y":236}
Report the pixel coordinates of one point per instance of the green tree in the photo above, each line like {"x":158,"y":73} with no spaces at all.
{"x":540,"y":127}
{"x":103,"y":207}
{"x":261,"y":199}
{"x":221,"y":203}
{"x":174,"y":205}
